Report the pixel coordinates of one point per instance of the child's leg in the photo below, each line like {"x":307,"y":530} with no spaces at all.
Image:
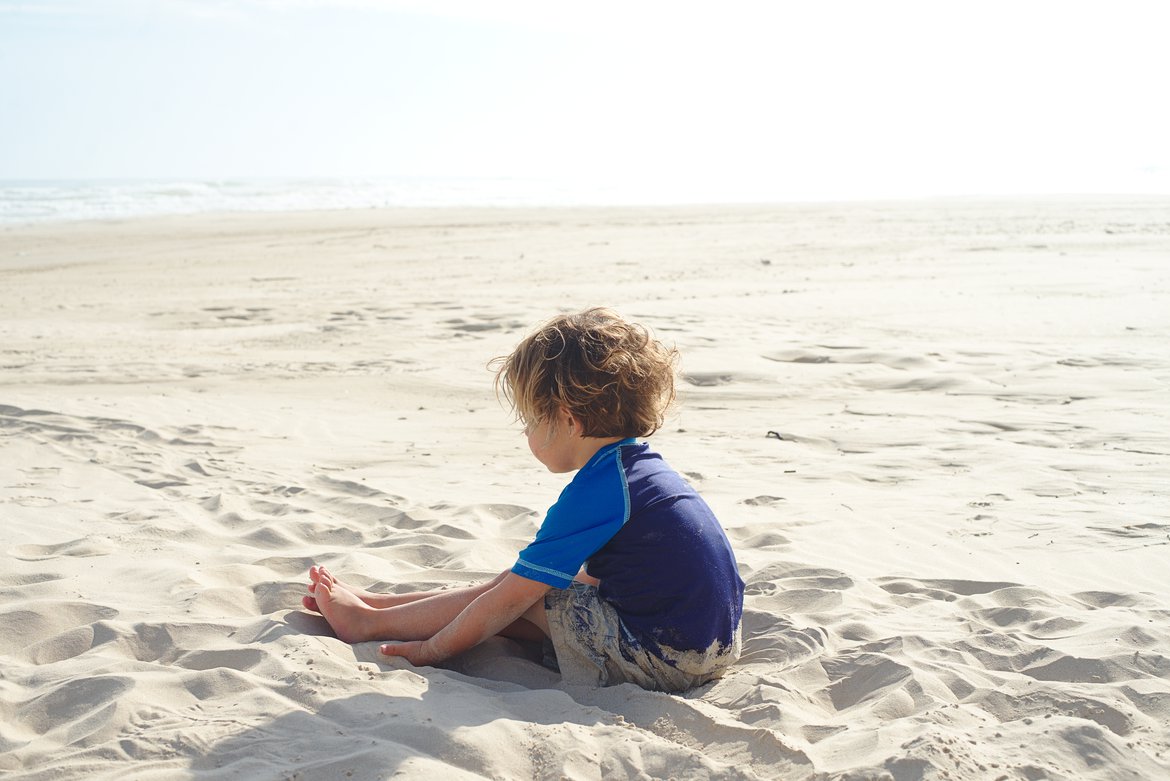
{"x":532,"y":626}
{"x":354,"y":621}
{"x":369,"y":597}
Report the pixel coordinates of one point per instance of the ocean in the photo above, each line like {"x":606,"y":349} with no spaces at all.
{"x":23,"y":202}
{"x":44,"y":201}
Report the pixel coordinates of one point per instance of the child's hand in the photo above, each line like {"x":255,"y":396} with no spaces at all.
{"x":413,"y":651}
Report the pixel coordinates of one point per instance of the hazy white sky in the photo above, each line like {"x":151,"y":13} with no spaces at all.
{"x":760,"y":99}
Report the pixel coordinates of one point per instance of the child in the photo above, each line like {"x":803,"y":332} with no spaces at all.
{"x":630,"y":577}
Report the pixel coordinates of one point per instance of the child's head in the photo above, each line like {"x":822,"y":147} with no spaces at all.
{"x":611,"y":375}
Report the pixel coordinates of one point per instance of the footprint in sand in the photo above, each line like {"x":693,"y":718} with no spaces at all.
{"x":944,"y":590}
{"x":33,"y":501}
{"x":77,"y":707}
{"x":79,"y":548}
{"x":708,"y":379}
{"x":858,"y":676}
{"x":232,"y":659}
{"x":762,"y":501}
{"x":479,"y":323}
{"x":28,"y":627}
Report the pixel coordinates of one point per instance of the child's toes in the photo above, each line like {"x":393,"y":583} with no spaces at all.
{"x":310,"y":604}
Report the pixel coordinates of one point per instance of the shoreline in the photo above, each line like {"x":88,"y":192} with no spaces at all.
{"x":1079,"y":199}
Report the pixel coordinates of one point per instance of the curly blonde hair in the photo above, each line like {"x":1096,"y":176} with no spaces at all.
{"x":613,"y":376}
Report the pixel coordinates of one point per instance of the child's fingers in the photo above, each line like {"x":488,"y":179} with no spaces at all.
{"x":393,"y":650}
{"x":411,"y":651}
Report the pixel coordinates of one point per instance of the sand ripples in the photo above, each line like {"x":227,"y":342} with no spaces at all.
{"x":937,"y":439}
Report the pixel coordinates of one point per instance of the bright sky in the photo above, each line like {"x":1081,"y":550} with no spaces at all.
{"x":759,"y":99}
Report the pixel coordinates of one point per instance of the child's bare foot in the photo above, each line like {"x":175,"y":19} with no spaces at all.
{"x":344,"y":611}
{"x":315,"y":574}
{"x":369,"y":597}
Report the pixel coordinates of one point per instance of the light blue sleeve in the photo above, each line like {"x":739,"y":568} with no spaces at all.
{"x":588,"y":513}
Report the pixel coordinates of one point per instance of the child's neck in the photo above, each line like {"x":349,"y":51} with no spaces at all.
{"x":588,"y":447}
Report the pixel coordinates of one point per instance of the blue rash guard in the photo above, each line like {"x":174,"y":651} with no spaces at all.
{"x":662,"y":558}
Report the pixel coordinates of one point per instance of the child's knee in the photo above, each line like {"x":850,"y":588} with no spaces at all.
{"x":536,"y":615}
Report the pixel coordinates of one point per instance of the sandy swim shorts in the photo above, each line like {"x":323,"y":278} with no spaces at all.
{"x":590,"y":647}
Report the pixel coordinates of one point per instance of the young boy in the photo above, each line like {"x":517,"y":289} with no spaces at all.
{"x":630,"y":576}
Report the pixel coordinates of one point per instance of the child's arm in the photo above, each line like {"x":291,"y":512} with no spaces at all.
{"x":586,"y":578}
{"x":489,"y":613}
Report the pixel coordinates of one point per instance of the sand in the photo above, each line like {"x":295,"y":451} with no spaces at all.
{"x":937,"y":434}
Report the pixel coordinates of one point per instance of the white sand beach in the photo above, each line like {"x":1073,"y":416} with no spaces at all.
{"x":937,"y":433}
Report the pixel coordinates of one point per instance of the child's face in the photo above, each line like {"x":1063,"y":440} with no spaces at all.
{"x":553,"y":443}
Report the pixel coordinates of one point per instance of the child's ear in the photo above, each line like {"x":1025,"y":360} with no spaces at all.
{"x":570,"y":421}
